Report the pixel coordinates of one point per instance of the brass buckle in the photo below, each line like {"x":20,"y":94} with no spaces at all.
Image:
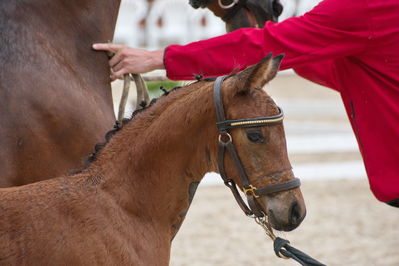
{"x":250,"y":191}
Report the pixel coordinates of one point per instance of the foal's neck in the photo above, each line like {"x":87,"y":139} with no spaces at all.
{"x":153,"y":165}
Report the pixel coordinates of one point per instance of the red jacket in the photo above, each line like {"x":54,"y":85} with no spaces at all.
{"x":351,"y":46}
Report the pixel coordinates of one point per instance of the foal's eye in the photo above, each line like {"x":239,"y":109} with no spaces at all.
{"x":255,"y":136}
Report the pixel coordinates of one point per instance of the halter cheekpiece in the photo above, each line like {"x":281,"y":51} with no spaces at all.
{"x":225,"y":143}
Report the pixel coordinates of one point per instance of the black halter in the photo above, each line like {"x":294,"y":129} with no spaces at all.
{"x":225,"y":143}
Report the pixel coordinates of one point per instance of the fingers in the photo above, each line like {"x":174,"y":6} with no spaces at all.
{"x":116,"y":62}
{"x":116,"y":58}
{"x":119,"y":69}
{"x":107,"y":47}
{"x":118,"y":74}
{"x":120,"y":65}
{"x":131,"y":60}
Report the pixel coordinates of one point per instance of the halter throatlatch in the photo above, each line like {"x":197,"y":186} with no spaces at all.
{"x":282,"y":247}
{"x":226,"y":144}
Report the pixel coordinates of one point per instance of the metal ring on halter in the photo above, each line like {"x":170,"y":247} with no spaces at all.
{"x":228,"y":6}
{"x":281,"y":255}
{"x":227,"y":135}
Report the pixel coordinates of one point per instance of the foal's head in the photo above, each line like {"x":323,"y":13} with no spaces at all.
{"x":262,"y":147}
{"x":242,"y":13}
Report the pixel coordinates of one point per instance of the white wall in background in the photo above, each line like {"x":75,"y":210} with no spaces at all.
{"x":180,"y":22}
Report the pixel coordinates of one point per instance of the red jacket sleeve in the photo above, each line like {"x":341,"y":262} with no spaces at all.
{"x":332,"y":29}
{"x":322,"y":72}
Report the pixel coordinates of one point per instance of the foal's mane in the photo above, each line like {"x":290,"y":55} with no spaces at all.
{"x":117,"y":127}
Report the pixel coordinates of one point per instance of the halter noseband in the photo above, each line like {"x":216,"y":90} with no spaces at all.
{"x":225,"y":143}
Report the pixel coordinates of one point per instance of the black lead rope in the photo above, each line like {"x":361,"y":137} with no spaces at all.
{"x":283,"y":247}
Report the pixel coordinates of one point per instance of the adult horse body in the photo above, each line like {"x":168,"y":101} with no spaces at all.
{"x":55,"y":92}
{"x":55,"y":95}
{"x":125,"y":208}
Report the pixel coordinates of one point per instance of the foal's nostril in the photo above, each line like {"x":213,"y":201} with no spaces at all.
{"x":295,"y":214}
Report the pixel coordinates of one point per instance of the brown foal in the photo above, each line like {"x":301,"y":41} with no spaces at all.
{"x":128,"y":204}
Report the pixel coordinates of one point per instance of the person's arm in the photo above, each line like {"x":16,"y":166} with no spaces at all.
{"x":330,"y":30}
{"x":322,"y":72}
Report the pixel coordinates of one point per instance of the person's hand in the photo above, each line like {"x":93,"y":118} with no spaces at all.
{"x":131,"y":60}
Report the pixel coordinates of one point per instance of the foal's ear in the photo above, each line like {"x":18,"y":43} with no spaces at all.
{"x":259,"y":75}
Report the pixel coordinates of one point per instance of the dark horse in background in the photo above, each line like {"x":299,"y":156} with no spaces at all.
{"x":55,"y":93}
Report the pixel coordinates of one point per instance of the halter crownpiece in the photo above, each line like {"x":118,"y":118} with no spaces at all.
{"x":226,"y":144}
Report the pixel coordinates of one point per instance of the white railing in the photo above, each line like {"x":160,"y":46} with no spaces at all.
{"x":165,"y":22}
{"x":294,"y":8}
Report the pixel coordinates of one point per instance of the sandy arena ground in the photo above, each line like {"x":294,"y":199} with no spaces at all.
{"x":344,"y":225}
